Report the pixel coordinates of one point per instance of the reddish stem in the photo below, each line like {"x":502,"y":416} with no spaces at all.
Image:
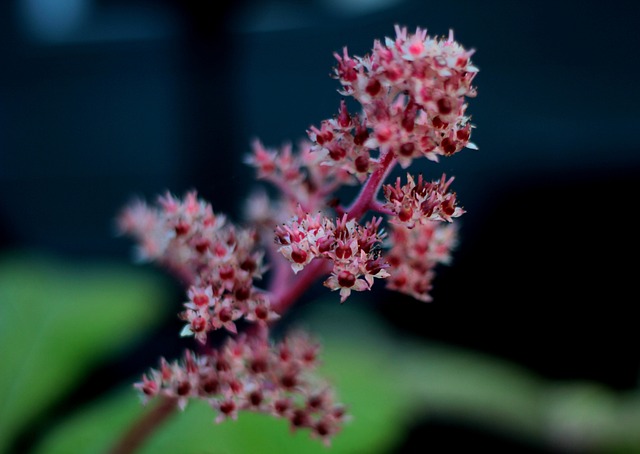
{"x":282,"y":272}
{"x":145,"y":426}
{"x":287,"y":294}
{"x":369,"y":191}
{"x":380,"y":208}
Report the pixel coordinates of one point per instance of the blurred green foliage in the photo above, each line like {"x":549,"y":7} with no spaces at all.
{"x":57,"y":321}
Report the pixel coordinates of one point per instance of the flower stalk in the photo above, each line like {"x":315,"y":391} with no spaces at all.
{"x":144,"y":427}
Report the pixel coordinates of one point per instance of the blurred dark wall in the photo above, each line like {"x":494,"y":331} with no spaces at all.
{"x":122,"y":99}
{"x":114,"y":99}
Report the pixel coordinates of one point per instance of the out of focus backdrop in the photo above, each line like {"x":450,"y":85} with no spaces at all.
{"x":103,"y":100}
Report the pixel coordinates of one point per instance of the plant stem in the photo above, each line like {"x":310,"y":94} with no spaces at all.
{"x":370,"y":190}
{"x":144,"y":427}
{"x":286,"y":295}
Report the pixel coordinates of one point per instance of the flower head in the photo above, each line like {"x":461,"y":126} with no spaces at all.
{"x":252,"y":374}
{"x":421,"y":202}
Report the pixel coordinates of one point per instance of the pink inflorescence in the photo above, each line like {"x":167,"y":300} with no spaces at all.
{"x":412,"y":92}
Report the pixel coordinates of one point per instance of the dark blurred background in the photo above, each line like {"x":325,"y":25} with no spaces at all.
{"x":101,"y":100}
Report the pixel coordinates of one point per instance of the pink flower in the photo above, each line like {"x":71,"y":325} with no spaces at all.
{"x":200,"y":297}
{"x":346,"y":279}
{"x":198,"y":324}
{"x":259,"y":310}
{"x":225,"y":314}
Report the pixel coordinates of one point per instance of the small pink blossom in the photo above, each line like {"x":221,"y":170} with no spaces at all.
{"x":198,"y":324}
{"x":346,"y":279}
{"x":225,"y":314}
{"x":259,"y":310}
{"x":199,"y":297}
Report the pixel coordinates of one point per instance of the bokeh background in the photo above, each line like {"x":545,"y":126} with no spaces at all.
{"x":101,"y":100}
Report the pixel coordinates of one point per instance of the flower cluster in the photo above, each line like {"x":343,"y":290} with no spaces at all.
{"x":218,"y":261}
{"x":412,"y":92}
{"x":422,"y":202}
{"x":352,"y":248}
{"x":414,"y":254}
{"x":249,"y":373}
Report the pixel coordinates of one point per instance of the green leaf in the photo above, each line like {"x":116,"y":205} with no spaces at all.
{"x":58,"y":319}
